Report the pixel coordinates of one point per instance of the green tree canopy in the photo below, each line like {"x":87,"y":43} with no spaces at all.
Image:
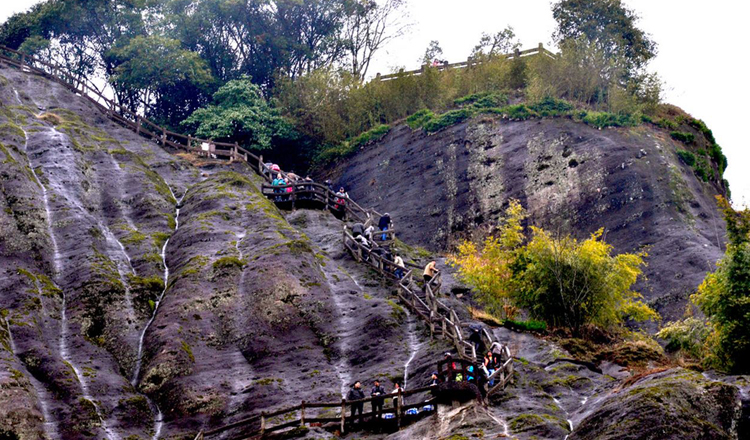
{"x":608,"y":25}
{"x":239,"y":113}
{"x":156,"y":71}
{"x":724,"y":296}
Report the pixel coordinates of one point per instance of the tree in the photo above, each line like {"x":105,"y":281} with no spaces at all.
{"x":155,"y":72}
{"x":368,"y":27}
{"x":608,"y":25}
{"x":724,"y":296}
{"x":239,"y":113}
{"x":559,"y":280}
{"x":432,"y":53}
{"x":501,"y":43}
{"x":488,"y":269}
{"x":570,"y":283}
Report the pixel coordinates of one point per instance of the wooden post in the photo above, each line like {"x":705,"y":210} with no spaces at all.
{"x":262,"y":423}
{"x":302,"y":414}
{"x":236,"y":151}
{"x":343,"y":415}
{"x":541,"y":48}
{"x":398,"y":409}
{"x":444,"y":328}
{"x":138,"y":125}
{"x":163,"y":137}
{"x":190,"y":142}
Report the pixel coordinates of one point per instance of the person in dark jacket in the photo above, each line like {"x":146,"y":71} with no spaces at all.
{"x":358,"y":229}
{"x":356,"y":393}
{"x":475,"y":337}
{"x":434,"y":380}
{"x":384,"y":224}
{"x":377,"y":393}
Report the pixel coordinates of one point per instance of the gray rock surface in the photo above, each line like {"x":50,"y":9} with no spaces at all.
{"x":571,"y":177}
{"x":143,"y":297}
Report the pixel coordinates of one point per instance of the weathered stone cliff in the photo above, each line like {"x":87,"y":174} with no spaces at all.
{"x":571,"y":177}
{"x":142,"y":296}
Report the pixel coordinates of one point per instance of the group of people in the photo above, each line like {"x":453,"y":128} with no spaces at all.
{"x":378,"y":394}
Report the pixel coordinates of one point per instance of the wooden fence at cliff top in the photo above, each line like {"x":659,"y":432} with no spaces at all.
{"x":470,"y":62}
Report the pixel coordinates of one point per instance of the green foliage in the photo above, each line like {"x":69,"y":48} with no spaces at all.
{"x":485,"y":100}
{"x":570,"y":283}
{"x":371,"y":135}
{"x":604,"y":119}
{"x":229,"y":262}
{"x":528,"y":326}
{"x":419,"y":119}
{"x":518,"y":112}
{"x":240,"y":113}
{"x":550,"y":106}
{"x":157,"y":68}
{"x":685,"y":138}
{"x":447,"y":119}
{"x":607,"y":25}
{"x":561,"y":281}
{"x":724,"y":297}
{"x":688,"y":335}
{"x":687,"y":157}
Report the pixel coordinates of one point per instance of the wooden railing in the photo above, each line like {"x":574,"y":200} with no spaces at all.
{"x":470,"y":62}
{"x":307,"y":413}
{"x":126,"y":117}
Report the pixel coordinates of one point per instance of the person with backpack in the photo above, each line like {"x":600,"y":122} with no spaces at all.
{"x":384,"y":224}
{"x":377,"y":393}
{"x":356,"y":393}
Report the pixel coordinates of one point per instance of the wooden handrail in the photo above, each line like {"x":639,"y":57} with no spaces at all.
{"x":539,"y":50}
{"x":120,"y":114}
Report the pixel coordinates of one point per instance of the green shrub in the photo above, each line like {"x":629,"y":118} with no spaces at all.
{"x":483,"y":100}
{"x":374,"y":134}
{"x":718,"y":157}
{"x":687,"y":335}
{"x":551,"y":107}
{"x":701,"y":126}
{"x":667,"y":124}
{"x":447,"y":119}
{"x":230,"y":261}
{"x":519,"y":112}
{"x":529,"y":326}
{"x":703,"y":169}
{"x":605,"y":119}
{"x":419,"y":119}
{"x":687,"y":157}
{"x":685,"y":138}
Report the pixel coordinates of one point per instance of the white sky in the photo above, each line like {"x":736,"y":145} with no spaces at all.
{"x":702,"y":53}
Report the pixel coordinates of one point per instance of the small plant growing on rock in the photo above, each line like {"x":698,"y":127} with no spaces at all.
{"x":685,"y":138}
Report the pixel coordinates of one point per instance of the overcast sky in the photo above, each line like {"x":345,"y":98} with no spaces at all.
{"x":702,"y":52}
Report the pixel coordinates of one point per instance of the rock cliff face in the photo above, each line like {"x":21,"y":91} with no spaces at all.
{"x":143,"y":297}
{"x":571,"y":178}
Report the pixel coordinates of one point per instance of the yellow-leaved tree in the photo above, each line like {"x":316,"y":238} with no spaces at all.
{"x":560,"y":280}
{"x":487,"y":269}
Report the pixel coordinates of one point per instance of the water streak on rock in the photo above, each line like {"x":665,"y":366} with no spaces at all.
{"x":50,"y":426}
{"x":414,"y":343}
{"x":159,"y":420}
